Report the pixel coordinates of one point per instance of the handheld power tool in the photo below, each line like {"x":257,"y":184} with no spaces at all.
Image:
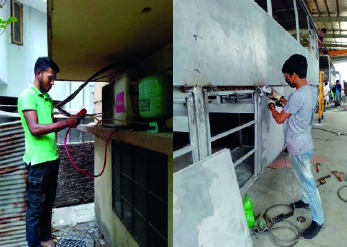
{"x":322,"y":180}
{"x":267,"y":91}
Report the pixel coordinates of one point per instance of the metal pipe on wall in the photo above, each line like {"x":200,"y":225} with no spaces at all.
{"x":296,"y":21}
{"x":269,"y":7}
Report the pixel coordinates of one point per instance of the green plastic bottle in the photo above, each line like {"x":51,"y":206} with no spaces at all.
{"x":248,"y":207}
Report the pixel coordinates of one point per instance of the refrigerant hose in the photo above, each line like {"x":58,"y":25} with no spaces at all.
{"x":81,"y":170}
{"x":98,"y":124}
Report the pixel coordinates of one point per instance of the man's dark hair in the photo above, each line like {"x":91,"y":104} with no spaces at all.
{"x":337,"y":81}
{"x":44,"y":63}
{"x":324,"y":30}
{"x":326,"y":84}
{"x":296,"y":64}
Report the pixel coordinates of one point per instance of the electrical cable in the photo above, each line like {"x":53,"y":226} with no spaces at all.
{"x":105,"y":159}
{"x":284,"y":242}
{"x":81,"y":170}
{"x":112,"y":119}
{"x":330,"y":131}
{"x":339,"y":193}
{"x":276,"y":240}
{"x":101,"y":71}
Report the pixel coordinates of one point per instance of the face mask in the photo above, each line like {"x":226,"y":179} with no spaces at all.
{"x":291,"y":84}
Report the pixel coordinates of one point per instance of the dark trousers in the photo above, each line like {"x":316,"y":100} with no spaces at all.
{"x":41,"y":189}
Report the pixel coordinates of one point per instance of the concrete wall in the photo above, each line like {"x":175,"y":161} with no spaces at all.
{"x":74,"y":187}
{"x":231,"y":42}
{"x":110,"y":225}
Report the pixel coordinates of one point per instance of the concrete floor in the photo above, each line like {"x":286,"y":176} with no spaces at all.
{"x":274,"y":186}
{"x":77,"y":223}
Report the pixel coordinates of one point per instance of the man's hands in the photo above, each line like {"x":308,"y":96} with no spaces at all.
{"x":37,"y":129}
{"x":73,"y":121}
{"x":275,"y":95}
{"x":271,"y":101}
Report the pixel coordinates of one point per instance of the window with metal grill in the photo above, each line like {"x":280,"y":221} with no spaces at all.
{"x":140,"y":192}
{"x":17,"y":27}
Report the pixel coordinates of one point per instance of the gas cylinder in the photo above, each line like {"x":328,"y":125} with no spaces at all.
{"x":155,"y":95}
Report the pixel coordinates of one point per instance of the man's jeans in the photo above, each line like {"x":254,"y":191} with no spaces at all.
{"x":40,"y":195}
{"x":337,"y":96}
{"x":301,"y":164}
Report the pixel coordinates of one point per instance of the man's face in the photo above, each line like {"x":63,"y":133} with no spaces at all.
{"x":46,"y":79}
{"x":289,"y":79}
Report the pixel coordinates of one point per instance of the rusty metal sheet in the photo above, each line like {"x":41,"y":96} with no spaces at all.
{"x":12,"y":185}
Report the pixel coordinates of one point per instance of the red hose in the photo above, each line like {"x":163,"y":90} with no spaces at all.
{"x":79,"y":169}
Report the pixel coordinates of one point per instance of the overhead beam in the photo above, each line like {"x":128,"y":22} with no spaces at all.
{"x":282,"y":20}
{"x":335,"y":36}
{"x":338,"y":53}
{"x":315,"y":3}
{"x":286,"y":6}
{"x":284,"y":10}
{"x":329,"y":18}
{"x":326,"y":5}
{"x":300,"y":19}
{"x":304,"y":33}
{"x":334,"y":45}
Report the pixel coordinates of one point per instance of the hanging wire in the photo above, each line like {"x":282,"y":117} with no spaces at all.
{"x":101,"y":71}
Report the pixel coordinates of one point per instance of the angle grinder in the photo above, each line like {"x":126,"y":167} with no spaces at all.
{"x":267,"y":91}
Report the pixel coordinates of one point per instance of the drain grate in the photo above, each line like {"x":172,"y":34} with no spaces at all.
{"x":72,"y":243}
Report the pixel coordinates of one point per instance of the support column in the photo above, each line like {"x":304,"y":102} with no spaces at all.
{"x":199,"y":124}
{"x":297,"y":21}
{"x":269,"y":7}
{"x":309,"y":32}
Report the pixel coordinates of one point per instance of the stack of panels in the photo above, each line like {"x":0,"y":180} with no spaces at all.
{"x":12,"y":185}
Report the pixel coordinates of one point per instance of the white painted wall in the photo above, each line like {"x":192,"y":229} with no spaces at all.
{"x":4,"y":14}
{"x":85,"y":98}
{"x":17,"y":62}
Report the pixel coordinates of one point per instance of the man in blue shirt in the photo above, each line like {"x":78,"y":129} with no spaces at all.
{"x":337,"y":91}
{"x":299,"y":111}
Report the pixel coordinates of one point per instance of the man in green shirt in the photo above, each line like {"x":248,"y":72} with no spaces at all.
{"x":41,"y":157}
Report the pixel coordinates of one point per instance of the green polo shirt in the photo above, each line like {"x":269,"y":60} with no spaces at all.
{"x":43,"y":148}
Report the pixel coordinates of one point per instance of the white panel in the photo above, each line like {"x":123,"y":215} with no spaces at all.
{"x":207,"y":205}
{"x":231,"y":108}
{"x":231,"y":42}
{"x":180,"y":124}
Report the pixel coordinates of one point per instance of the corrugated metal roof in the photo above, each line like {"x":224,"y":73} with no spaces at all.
{"x":12,"y":185}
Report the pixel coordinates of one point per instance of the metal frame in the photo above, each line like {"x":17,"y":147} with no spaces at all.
{"x":198,"y":107}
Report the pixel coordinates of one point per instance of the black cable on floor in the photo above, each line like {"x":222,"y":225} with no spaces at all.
{"x":339,"y":193}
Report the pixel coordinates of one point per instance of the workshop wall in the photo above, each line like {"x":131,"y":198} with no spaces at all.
{"x":74,"y":187}
{"x":234,"y":43}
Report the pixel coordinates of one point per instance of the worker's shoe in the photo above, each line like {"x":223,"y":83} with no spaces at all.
{"x":299,"y":204}
{"x":312,"y":230}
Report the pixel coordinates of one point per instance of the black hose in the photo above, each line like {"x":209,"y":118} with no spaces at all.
{"x":275,"y":226}
{"x":339,"y":193}
{"x":103,"y":70}
{"x":284,"y":242}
